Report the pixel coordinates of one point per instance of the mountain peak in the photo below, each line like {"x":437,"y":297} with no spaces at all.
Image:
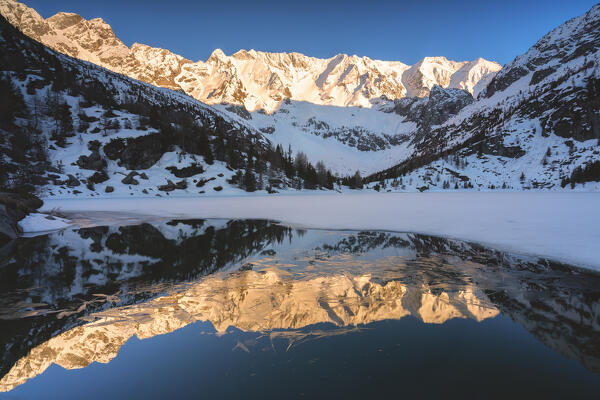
{"x":261,"y":79}
{"x":241,"y":54}
{"x":63,"y":20}
{"x":438,"y":59}
{"x":217,"y":54}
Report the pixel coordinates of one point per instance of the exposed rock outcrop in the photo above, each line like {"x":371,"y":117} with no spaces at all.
{"x":13,"y":208}
{"x":93,"y":162}
{"x":137,"y":153}
{"x":433,"y":110}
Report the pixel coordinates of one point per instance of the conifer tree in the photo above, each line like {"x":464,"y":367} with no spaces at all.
{"x":249,"y":181}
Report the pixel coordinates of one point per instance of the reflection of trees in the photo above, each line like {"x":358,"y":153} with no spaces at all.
{"x":434,"y":279}
{"x":65,"y":270}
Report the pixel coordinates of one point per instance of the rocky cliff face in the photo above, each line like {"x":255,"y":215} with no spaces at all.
{"x":575,"y":39}
{"x":437,"y":108}
{"x":257,"y":80}
{"x":68,"y":33}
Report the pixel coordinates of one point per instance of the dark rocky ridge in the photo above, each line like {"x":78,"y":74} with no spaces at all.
{"x":434,"y":110}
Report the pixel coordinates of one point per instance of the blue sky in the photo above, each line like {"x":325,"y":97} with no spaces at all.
{"x":388,"y":30}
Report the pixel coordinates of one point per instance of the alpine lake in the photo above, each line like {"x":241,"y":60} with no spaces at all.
{"x":222,"y":309}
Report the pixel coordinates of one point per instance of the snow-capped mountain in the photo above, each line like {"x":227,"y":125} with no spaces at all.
{"x":536,"y":125}
{"x":533,"y":125}
{"x":255,"y":79}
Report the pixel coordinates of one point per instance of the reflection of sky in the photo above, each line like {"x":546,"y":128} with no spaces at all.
{"x":403,"y":356}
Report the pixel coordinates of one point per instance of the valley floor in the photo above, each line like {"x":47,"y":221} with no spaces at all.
{"x":559,"y":226}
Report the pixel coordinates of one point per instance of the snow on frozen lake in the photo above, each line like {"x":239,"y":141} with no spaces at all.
{"x":561,"y":226}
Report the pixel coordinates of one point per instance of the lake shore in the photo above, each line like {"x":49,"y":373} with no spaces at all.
{"x":560,"y":226}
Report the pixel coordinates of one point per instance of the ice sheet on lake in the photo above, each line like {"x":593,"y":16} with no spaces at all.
{"x":561,"y":226}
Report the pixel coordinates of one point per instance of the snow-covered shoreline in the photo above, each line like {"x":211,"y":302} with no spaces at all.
{"x":38,"y":223}
{"x":560,"y":226}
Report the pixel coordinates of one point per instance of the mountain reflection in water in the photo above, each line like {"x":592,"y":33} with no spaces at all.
{"x":77,"y":296}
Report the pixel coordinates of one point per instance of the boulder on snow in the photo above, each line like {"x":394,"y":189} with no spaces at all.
{"x":94,"y":145}
{"x":98,"y":177}
{"x":109,"y":189}
{"x":130,"y":179}
{"x":170,"y":186}
{"x":93,"y":162}
{"x":25,"y":202}
{"x":203,"y":182}
{"x":137,"y":153}
{"x":72,"y":181}
{"x":186,"y":172}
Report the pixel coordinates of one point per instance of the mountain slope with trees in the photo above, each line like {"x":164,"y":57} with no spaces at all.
{"x":536,"y":126}
{"x":72,"y":128}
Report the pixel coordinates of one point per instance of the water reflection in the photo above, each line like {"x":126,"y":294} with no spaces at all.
{"x":76,"y":297}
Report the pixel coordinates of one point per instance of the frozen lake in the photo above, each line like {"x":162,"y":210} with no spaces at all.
{"x":560,"y":226}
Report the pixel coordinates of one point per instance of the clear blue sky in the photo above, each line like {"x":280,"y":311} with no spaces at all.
{"x":388,"y":30}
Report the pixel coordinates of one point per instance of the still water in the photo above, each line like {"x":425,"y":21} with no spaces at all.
{"x":252,"y":309}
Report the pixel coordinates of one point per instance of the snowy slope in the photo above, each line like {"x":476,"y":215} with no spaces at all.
{"x":474,"y":76}
{"x":535,"y":124}
{"x":258,"y":80}
{"x":347,"y":139}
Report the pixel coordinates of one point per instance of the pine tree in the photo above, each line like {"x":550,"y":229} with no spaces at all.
{"x":357,"y":181}
{"x":208,"y":155}
{"x":11,"y":103}
{"x":249,"y":181}
{"x":259,"y":184}
{"x":321,"y":174}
